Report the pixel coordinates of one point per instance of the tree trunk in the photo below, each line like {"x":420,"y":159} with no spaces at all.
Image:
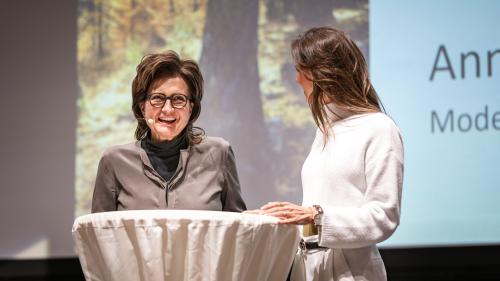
{"x":196,"y":5}
{"x":232,"y":106}
{"x":133,"y":6}
{"x":101,"y":52}
{"x":171,"y":7}
{"x":312,"y":13}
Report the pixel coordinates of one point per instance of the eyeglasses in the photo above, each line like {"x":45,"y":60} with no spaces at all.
{"x":178,"y":101}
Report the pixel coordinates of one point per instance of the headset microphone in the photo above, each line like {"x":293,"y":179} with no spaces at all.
{"x":150,"y":121}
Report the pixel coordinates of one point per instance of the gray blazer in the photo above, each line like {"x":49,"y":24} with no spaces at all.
{"x":205,"y":179}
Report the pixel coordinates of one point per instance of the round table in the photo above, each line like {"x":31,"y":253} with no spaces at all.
{"x":184,"y":245}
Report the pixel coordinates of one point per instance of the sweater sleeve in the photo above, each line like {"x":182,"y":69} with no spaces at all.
{"x":231,"y":192}
{"x":104,"y":197}
{"x":378,"y":215}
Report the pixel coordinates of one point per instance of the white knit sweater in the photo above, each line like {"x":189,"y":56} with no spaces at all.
{"x":356,"y":177}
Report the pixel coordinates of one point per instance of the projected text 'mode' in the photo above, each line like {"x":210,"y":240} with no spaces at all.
{"x":453,"y":121}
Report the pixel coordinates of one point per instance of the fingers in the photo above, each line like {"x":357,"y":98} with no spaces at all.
{"x":282,"y":205}
{"x":287,"y":212}
{"x":255,"y":212}
{"x":288,"y":208}
{"x":275,"y":210}
{"x":295,"y":220}
{"x":270,"y":205}
{"x":276,"y":213}
{"x":283,"y":212}
{"x":291,"y":217}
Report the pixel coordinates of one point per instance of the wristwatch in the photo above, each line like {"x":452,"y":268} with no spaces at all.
{"x":318,"y":216}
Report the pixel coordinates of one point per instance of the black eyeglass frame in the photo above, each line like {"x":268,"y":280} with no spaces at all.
{"x":164,"y":99}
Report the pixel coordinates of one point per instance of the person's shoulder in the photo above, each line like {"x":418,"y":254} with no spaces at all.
{"x":379,"y":122}
{"x":218,"y":148}
{"x":380,"y":128}
{"x":116,"y":151}
{"x":214,"y":142}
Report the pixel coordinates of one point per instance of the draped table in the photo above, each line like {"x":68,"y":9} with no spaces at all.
{"x":184,"y":245}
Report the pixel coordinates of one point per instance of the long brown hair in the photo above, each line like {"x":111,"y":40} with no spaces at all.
{"x":338,"y":71}
{"x":167,"y":65}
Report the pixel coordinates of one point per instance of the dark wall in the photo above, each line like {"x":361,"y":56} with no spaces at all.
{"x":38,"y":91}
{"x":479,"y":263}
{"x":475,"y":263}
{"x":38,"y":83}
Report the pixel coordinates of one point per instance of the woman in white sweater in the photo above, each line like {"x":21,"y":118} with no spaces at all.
{"x":352,"y":178}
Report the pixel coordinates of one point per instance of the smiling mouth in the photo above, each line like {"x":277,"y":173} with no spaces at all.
{"x":168,"y":120}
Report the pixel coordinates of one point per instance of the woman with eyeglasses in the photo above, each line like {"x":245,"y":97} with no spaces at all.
{"x":172,"y":165}
{"x":352,"y":178}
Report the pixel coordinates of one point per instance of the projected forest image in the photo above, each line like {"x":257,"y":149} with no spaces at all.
{"x":251,"y":98}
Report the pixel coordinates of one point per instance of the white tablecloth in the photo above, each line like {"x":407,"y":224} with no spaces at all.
{"x":183,"y":245}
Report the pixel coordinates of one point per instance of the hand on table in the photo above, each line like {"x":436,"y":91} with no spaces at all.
{"x":289,"y":213}
{"x":253,"y":212}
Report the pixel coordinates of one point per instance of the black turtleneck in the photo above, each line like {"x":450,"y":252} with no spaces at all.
{"x":164,"y":156}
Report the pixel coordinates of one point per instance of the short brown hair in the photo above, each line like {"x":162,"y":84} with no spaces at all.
{"x":339,"y":73}
{"x":167,"y":65}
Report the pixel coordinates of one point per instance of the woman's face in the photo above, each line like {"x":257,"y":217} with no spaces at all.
{"x":167,"y":122}
{"x":305,"y":82}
